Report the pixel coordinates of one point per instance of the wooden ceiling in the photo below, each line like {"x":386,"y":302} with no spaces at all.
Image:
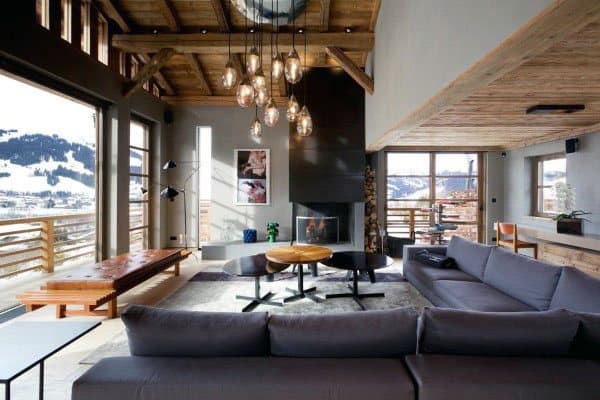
{"x":553,"y":60}
{"x":192,"y":74}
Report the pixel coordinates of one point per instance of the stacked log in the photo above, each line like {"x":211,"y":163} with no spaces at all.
{"x":370,"y":210}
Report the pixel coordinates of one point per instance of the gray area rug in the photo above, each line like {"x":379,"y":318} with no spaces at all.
{"x":220,"y":296}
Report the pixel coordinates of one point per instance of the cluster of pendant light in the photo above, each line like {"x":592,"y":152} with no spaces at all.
{"x":252,"y":88}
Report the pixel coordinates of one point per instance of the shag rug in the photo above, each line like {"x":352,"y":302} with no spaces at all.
{"x":216,"y":291}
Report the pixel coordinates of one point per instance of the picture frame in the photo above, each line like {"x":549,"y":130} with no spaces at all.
{"x":252,"y":177}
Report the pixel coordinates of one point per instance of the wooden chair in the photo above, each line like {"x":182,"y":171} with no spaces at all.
{"x":513,"y":241}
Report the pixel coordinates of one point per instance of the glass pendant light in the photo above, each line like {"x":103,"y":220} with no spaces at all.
{"x":256,"y":126}
{"x":304,"y":125}
{"x":252,"y":61}
{"x":271,"y":113}
{"x":292,"y":109}
{"x":293,"y":67}
{"x":258,"y":80}
{"x":277,"y":67}
{"x":229,"y":77}
{"x":261,"y":97}
{"x":245,"y":93}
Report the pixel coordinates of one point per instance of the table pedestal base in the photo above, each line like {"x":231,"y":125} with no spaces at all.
{"x":354,"y":292}
{"x":302,"y":293}
{"x":258,"y":299}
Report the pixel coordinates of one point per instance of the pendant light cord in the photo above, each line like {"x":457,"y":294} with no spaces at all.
{"x":305,"y":64}
{"x":229,"y":34}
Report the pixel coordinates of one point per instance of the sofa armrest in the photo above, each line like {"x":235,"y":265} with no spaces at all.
{"x":410,"y":251}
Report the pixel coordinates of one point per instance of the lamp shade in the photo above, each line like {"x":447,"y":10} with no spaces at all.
{"x":143,"y":190}
{"x":169,"y":164}
{"x":169,"y":193}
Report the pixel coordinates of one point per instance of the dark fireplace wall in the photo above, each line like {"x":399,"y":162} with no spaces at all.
{"x":329,"y":165}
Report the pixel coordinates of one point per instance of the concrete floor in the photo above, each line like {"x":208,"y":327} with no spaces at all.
{"x":63,"y":368}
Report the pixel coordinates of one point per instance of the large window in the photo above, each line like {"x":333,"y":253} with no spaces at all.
{"x":417,"y":182}
{"x":550,"y":177}
{"x":139,"y":179}
{"x":204,"y":180}
{"x":47,"y":175}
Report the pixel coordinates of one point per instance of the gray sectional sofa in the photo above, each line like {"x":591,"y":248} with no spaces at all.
{"x":374,"y":355}
{"x":489,"y":278}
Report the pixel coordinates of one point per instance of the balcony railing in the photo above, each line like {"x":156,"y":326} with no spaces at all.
{"x":43,"y":243}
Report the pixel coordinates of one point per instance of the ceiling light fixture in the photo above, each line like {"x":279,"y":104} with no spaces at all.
{"x":348,"y":29}
{"x":293,"y":68}
{"x":555,"y":108}
{"x":229,"y":77}
{"x":304,"y":125}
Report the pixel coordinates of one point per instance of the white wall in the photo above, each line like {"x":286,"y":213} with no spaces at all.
{"x":583,"y":168}
{"x":230,"y":130}
{"x":423,"y":45}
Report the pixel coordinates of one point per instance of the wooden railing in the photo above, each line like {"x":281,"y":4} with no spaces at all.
{"x":42,"y":243}
{"x":403,"y":222}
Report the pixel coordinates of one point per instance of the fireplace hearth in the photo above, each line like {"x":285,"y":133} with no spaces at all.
{"x":322,"y":223}
{"x":318,"y":230}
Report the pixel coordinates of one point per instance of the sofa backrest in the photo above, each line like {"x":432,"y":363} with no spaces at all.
{"x":383,"y":333}
{"x":471,"y":257}
{"x":531,"y":334}
{"x":155,"y":332}
{"x":527,"y":280}
{"x":577,"y":291}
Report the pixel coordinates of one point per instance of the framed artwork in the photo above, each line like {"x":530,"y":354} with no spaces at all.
{"x":252,"y":177}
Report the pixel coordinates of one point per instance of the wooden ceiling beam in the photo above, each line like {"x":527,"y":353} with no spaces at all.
{"x":374,"y":15}
{"x":325,"y":11}
{"x":222,"y":17}
{"x":114,"y":12}
{"x":352,"y":69}
{"x":199,"y":73}
{"x":163,"y":82}
{"x":148,"y":70}
{"x":550,"y":27}
{"x":201,"y":100}
{"x":216,"y":43}
{"x":168,"y":12}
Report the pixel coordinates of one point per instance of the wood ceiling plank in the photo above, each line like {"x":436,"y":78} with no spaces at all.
{"x":201,"y":100}
{"x":170,"y":15}
{"x":352,"y":69}
{"x":217,"y":43}
{"x":148,"y":71}
{"x":563,"y":135}
{"x":374,"y":15}
{"x":551,"y":27}
{"x":197,"y":70}
{"x":325,"y":11}
{"x":221,"y":15}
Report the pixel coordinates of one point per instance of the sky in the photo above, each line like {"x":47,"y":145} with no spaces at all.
{"x":31,"y":110}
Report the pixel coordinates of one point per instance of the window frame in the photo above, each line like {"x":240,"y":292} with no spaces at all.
{"x":145,"y":175}
{"x":538,"y":185}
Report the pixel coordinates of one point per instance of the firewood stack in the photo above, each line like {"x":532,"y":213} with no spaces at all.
{"x":370,"y":210}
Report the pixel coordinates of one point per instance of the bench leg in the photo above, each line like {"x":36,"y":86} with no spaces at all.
{"x":61,"y":311}
{"x":176,"y":270}
{"x":112,"y":308}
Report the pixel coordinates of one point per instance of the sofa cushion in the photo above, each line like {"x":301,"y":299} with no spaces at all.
{"x":429,"y":274}
{"x":476,"y":296}
{"x":577,"y":291}
{"x":528,"y":280}
{"x":443,"y":377}
{"x":587,"y":341}
{"x":382,"y":333}
{"x":166,"y":333}
{"x":252,"y":378}
{"x":532,"y":334}
{"x":470,"y":257}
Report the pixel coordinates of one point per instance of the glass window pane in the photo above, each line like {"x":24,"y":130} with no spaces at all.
{"x":554,"y":171}
{"x":408,"y":188}
{"x":408,"y":164}
{"x":548,"y":201}
{"x":456,"y":164}
{"x":137,"y":133}
{"x":456,"y":188}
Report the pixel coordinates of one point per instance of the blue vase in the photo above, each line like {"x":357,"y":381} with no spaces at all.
{"x":249,"y":235}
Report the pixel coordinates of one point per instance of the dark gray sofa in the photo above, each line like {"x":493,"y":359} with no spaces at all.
{"x":375,"y":355}
{"x":489,"y":278}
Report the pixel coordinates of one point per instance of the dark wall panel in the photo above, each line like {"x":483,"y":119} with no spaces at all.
{"x":328,"y":166}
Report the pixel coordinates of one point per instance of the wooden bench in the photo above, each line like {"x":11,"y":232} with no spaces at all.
{"x":94,"y":285}
{"x":89,"y":299}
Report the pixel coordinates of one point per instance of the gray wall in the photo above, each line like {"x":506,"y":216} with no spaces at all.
{"x":54,"y":61}
{"x":423,"y":45}
{"x":230,"y":130}
{"x":494,"y":190}
{"x":583,"y":168}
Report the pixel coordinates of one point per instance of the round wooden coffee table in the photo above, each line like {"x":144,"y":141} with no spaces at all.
{"x":299,"y":256}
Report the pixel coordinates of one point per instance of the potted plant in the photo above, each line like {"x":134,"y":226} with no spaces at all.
{"x":570,"y":223}
{"x":272,"y":231}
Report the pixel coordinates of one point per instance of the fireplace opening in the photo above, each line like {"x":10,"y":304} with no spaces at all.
{"x":322,"y":223}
